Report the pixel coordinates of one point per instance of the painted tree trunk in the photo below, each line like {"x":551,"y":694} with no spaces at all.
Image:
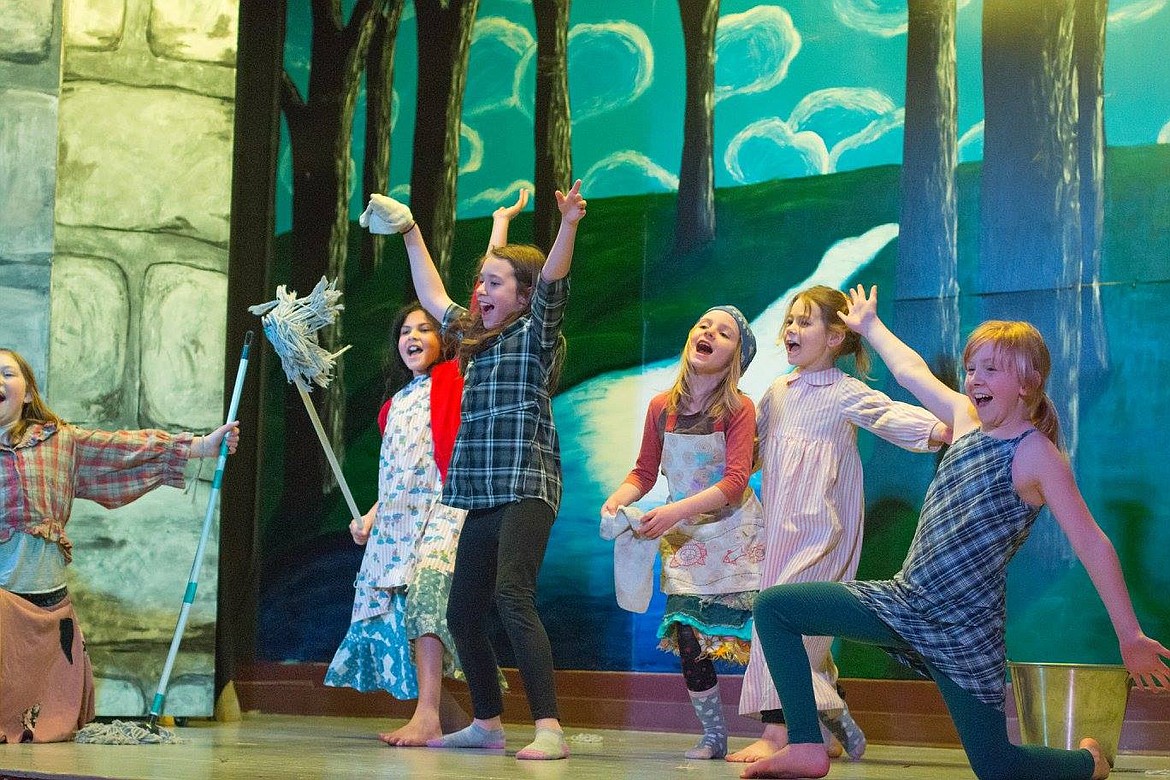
{"x":554,"y":153}
{"x":320,"y":134}
{"x":444,"y":41}
{"x":927,"y":278}
{"x":695,"y":219}
{"x":1031,"y":209}
{"x":379,"y":106}
{"x":1089,"y":32}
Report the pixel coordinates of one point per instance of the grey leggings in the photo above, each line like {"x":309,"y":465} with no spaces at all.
{"x":499,"y":556}
{"x":786,"y":612}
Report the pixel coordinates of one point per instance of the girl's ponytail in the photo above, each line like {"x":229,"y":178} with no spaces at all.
{"x":1046,"y":420}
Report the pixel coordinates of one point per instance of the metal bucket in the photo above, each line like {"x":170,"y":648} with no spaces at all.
{"x":1060,"y":704}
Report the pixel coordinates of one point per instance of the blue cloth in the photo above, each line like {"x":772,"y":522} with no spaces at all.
{"x":747,"y":339}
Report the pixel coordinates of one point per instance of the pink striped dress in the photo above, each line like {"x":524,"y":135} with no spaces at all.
{"x":814,"y":507}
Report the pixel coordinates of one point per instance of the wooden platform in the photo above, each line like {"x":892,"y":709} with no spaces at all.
{"x":283,"y":747}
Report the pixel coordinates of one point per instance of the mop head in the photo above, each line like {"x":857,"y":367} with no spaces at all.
{"x":291,"y":324}
{"x":123,"y":732}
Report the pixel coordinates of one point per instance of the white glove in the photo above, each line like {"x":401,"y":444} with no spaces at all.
{"x":385,"y":215}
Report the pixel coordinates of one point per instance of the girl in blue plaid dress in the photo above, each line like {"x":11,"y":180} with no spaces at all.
{"x":944,"y":611}
{"x":505,"y":469}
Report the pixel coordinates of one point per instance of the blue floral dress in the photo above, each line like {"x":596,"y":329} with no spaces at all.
{"x":405,"y":576}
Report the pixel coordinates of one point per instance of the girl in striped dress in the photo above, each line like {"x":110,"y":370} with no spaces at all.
{"x":814,"y":509}
{"x":944,"y":612}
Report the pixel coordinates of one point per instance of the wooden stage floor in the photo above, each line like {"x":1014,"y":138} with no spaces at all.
{"x":284,"y":747}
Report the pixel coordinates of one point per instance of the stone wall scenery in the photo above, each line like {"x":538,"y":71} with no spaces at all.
{"x":139,"y":291}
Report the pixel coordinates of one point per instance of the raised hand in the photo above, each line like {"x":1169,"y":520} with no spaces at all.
{"x":385,"y":215}
{"x":510,"y":212}
{"x":862,"y":309}
{"x":571,"y":204}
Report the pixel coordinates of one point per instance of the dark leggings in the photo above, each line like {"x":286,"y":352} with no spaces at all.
{"x":698,"y":672}
{"x":499,"y":556}
{"x":786,"y":612}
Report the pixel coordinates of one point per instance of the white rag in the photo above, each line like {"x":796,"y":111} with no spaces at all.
{"x":633,"y":558}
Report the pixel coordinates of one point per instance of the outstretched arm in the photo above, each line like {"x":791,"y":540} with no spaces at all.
{"x":502,"y":218}
{"x":907,"y":366}
{"x":1043,"y":474}
{"x":386,"y":215}
{"x":572,"y":207}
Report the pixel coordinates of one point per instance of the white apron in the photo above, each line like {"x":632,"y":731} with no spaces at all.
{"x":717,"y":552}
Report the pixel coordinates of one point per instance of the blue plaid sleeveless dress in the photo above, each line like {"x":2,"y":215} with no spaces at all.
{"x":948,"y":601}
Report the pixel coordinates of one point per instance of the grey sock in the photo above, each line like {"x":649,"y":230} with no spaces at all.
{"x":842,"y":726}
{"x":474,"y":736}
{"x":709,"y":709}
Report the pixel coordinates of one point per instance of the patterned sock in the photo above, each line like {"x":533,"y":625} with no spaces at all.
{"x":548,"y":745}
{"x":474,"y":736}
{"x":709,"y":709}
{"x":842,"y":726}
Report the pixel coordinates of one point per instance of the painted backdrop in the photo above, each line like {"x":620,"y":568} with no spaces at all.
{"x":972,"y":159}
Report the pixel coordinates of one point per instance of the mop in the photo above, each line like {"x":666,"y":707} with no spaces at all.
{"x":127,"y":733}
{"x":291,"y":325}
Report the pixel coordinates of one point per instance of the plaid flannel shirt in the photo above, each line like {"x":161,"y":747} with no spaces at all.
{"x":50,"y":466}
{"x":507,"y":447}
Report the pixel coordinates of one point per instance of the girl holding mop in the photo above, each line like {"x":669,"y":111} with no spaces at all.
{"x":46,"y":683}
{"x":505,"y":469}
{"x":398,"y":639}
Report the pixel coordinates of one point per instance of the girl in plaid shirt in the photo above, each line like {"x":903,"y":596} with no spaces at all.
{"x":46,"y":684}
{"x":505,"y":469}
{"x":944,"y":612}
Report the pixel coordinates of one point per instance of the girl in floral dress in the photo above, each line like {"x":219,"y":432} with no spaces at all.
{"x":398,"y":640}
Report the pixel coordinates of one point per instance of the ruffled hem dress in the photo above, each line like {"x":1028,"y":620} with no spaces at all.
{"x":405,"y":576}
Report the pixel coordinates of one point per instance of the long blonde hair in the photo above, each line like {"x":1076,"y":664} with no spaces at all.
{"x":726,"y":398}
{"x":1024,"y":349}
{"x":526,"y":262}
{"x":828,"y":302}
{"x":34,"y":410}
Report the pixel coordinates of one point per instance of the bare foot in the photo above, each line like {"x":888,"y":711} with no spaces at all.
{"x":1101,"y":767}
{"x":775,"y":736}
{"x":800,"y":760}
{"x":415,"y":733}
{"x":758,"y":750}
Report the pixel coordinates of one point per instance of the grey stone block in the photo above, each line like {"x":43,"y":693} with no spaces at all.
{"x":195,"y":30}
{"x":91,"y":326}
{"x":167,"y":170}
{"x":183,"y":334}
{"x":28,"y":30}
{"x":28,"y":154}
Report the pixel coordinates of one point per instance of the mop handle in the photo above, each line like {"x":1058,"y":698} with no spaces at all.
{"x":333,"y":464}
{"x":156,"y":705}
